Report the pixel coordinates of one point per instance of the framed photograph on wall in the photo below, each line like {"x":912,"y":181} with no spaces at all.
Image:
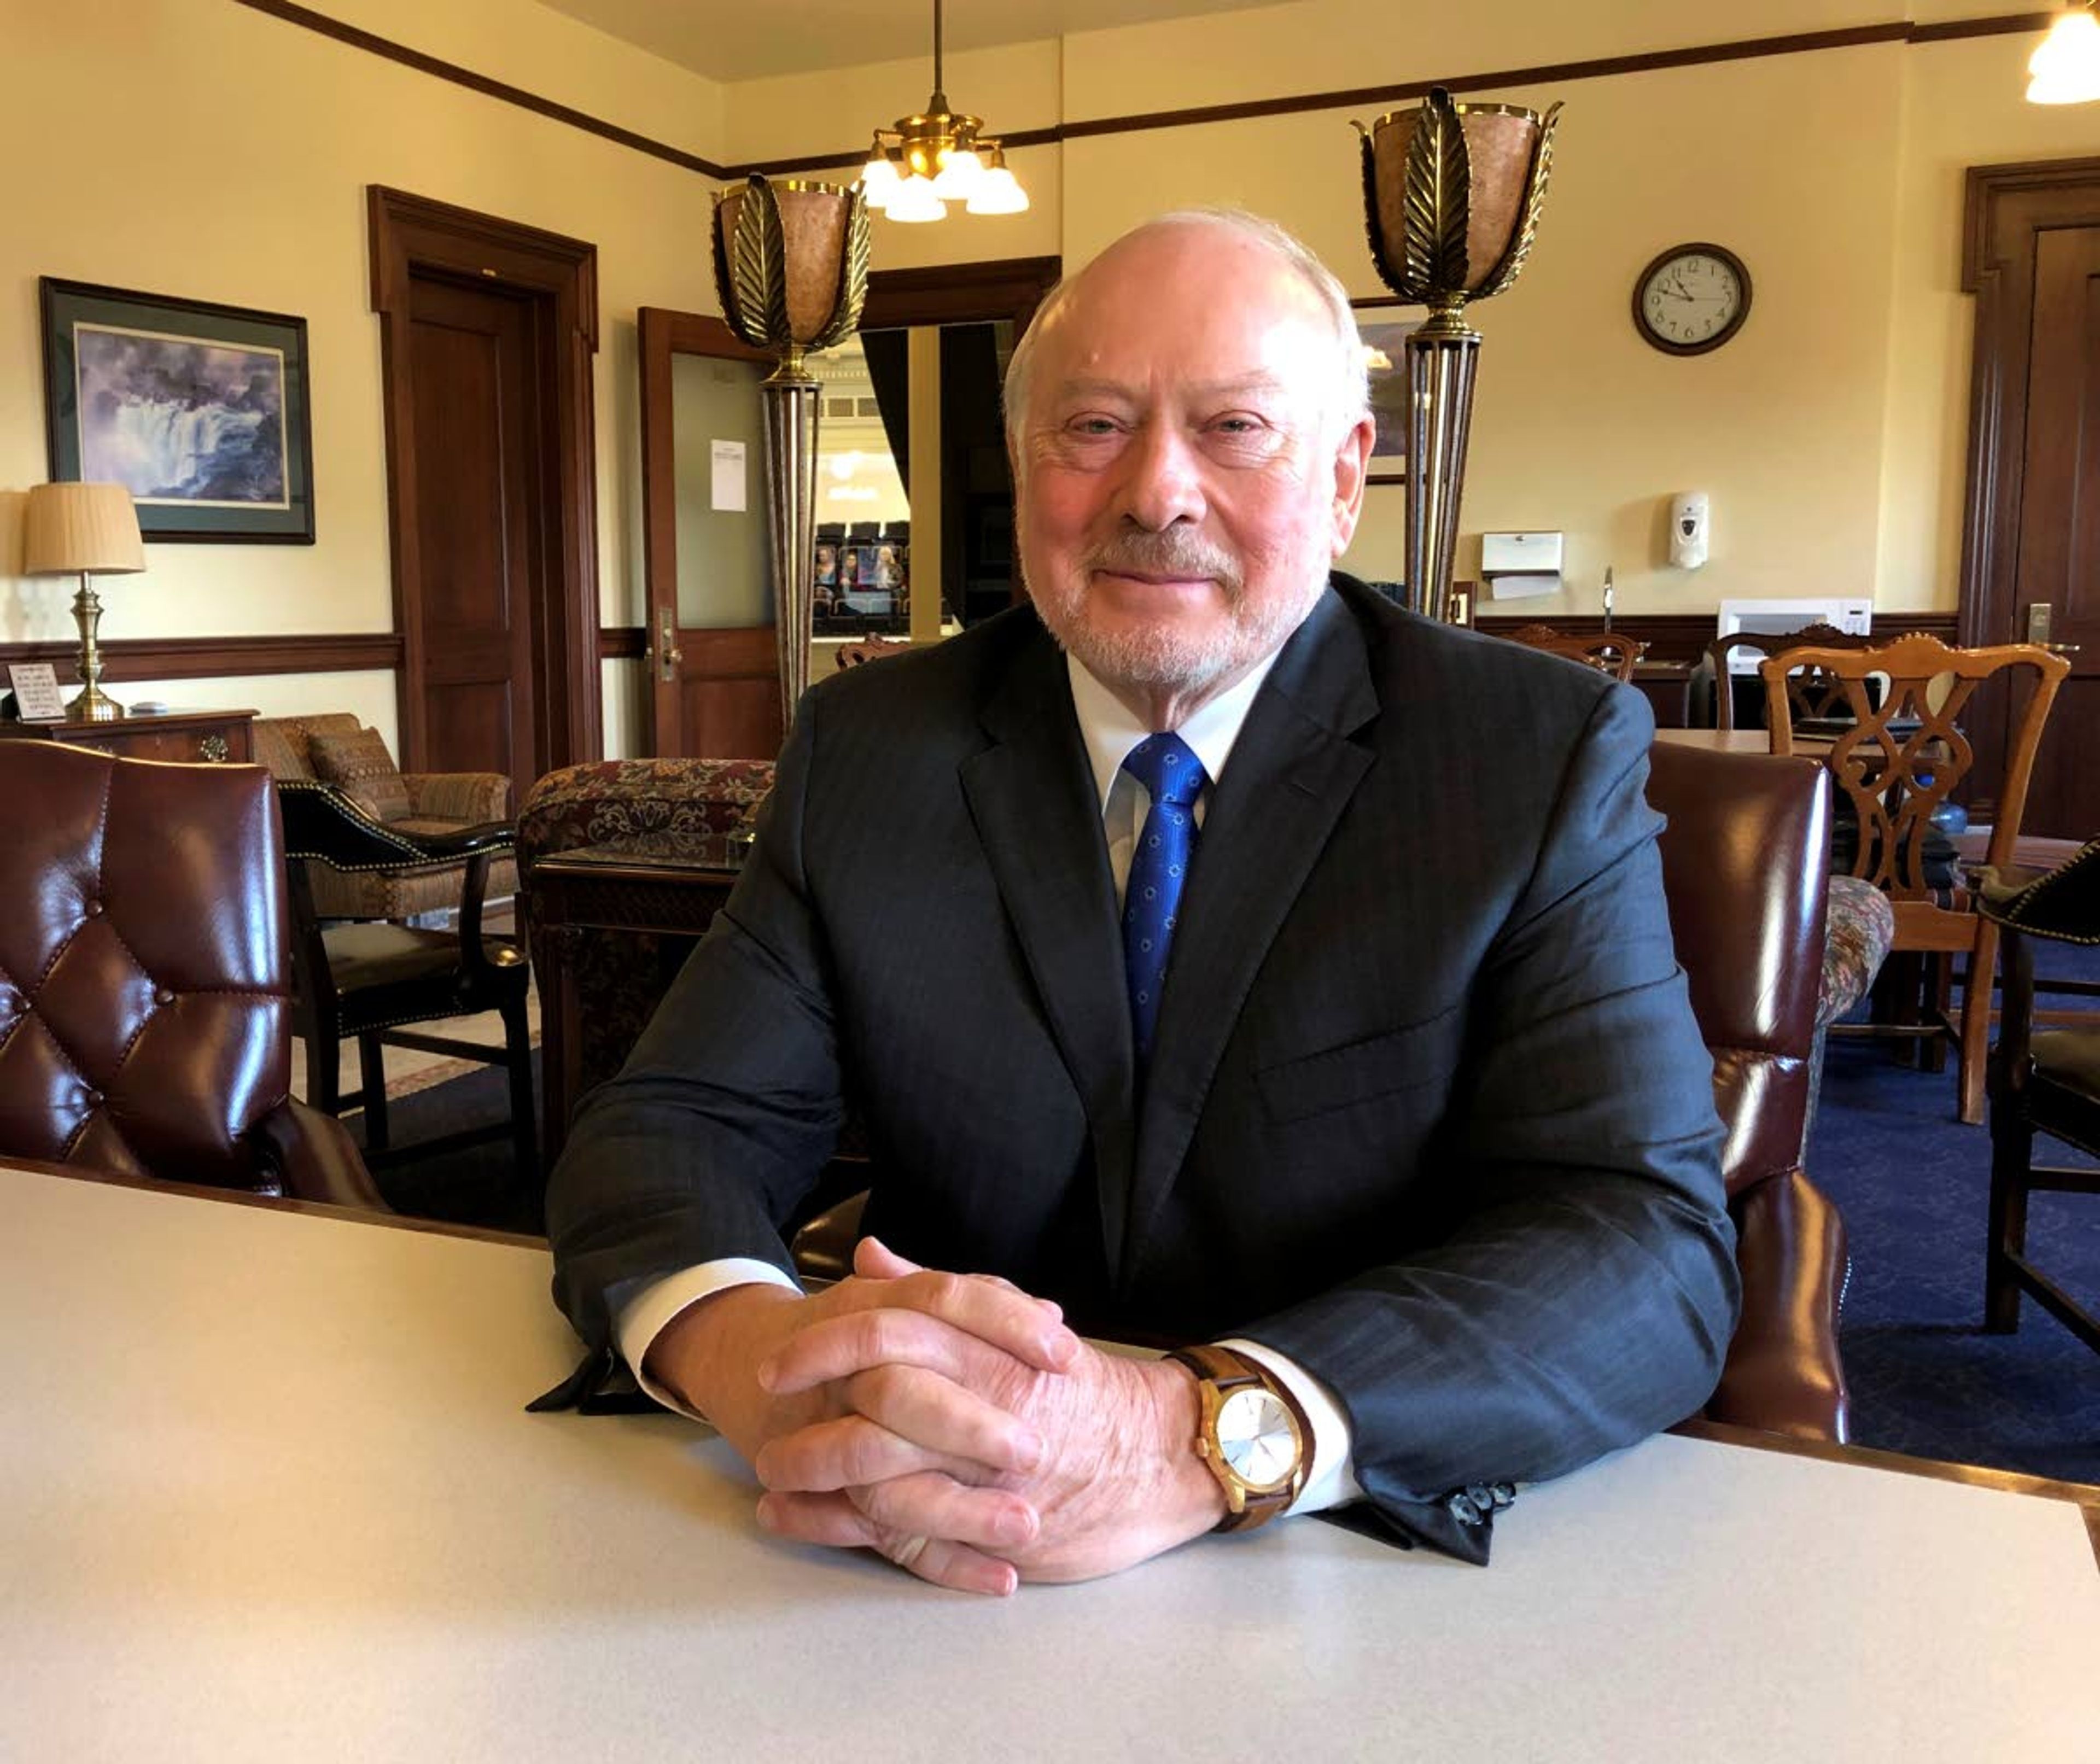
{"x":1382,"y":345}
{"x":202,"y":412}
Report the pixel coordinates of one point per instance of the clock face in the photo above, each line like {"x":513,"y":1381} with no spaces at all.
{"x":1692,"y":299}
{"x":1257,"y":1439}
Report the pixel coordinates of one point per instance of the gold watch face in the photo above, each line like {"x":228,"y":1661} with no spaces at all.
{"x":1257,"y":1439}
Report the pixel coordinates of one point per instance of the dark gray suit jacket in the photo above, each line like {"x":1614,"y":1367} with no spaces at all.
{"x":1427,"y":1110}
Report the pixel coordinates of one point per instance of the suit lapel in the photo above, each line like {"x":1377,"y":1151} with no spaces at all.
{"x":1292,"y":772}
{"x":1031,"y":796}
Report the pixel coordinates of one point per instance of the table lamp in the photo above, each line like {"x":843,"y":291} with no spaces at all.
{"x":87,"y":530}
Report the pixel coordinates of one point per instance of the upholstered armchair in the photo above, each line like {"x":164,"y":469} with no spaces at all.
{"x":145,"y":991}
{"x":1746,"y":865}
{"x":656,"y":807}
{"x":335,"y":749}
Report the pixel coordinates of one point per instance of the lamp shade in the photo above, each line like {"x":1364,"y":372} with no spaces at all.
{"x":791,"y":261}
{"x":70,"y":528}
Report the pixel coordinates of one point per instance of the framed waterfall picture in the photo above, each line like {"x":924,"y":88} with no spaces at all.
{"x":1385,"y":355}
{"x":202,"y":412}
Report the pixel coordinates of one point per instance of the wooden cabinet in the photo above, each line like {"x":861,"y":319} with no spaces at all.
{"x":190,"y":736}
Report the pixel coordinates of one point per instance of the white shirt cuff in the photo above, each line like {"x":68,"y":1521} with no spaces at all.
{"x":1331,"y":1480}
{"x":659,"y":1305}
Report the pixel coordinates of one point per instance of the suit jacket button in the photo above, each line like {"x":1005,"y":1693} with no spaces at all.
{"x":1464,"y":1509}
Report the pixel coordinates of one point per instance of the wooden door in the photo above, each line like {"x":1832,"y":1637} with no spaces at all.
{"x":714,"y":684}
{"x":488,"y":333}
{"x":480,"y":531}
{"x":2032,"y":563}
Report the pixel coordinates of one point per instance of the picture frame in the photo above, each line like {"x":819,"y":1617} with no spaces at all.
{"x":1383,"y":341}
{"x":203,"y":411}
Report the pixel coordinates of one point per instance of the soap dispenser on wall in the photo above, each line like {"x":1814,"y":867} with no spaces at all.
{"x":1689,"y":529}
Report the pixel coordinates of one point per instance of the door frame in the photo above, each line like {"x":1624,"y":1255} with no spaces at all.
{"x":411,"y":234}
{"x":1005,"y":288}
{"x":2004,"y":207}
{"x":743,"y":651}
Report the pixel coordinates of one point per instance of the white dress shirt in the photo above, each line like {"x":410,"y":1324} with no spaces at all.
{"x":1111,"y":731}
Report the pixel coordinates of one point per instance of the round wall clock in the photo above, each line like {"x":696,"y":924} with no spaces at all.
{"x":1693,"y":299}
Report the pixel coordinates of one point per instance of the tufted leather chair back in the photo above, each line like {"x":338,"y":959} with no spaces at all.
{"x":1746,"y":865}
{"x":144,"y":985}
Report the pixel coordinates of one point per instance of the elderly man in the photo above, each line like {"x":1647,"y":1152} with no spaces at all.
{"x":1213,"y":952}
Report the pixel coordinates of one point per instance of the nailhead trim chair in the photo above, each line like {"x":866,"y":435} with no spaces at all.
{"x":145,"y":994}
{"x":369,"y":979}
{"x":1746,"y":865}
{"x":439,"y":803}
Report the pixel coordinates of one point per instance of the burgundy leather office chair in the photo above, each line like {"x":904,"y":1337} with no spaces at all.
{"x":1746,"y":864}
{"x":145,"y":992}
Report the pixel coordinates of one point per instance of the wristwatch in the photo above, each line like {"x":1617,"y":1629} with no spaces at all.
{"x":1250,"y":1433}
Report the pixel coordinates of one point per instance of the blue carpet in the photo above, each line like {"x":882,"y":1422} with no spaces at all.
{"x":1913,"y":1184}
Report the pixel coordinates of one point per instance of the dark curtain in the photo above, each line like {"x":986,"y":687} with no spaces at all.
{"x":889,"y":369}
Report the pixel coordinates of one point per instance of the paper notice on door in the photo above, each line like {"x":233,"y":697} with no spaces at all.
{"x":729,"y":473}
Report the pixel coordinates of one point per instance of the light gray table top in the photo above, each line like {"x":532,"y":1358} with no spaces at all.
{"x":267,"y":1491}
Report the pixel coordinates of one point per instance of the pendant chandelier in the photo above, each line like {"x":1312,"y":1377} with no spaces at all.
{"x":2066,"y":68}
{"x":919,"y":164}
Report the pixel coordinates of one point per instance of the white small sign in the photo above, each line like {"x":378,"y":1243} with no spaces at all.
{"x":729,"y":474}
{"x":36,"y":686}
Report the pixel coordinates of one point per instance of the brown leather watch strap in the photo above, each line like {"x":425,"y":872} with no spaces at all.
{"x":1227,"y":1370}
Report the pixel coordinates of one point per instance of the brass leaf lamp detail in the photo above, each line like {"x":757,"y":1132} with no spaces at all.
{"x":790,"y":267}
{"x":1452,"y":197}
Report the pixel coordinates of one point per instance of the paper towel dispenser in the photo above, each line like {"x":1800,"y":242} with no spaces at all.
{"x":1518,"y":566}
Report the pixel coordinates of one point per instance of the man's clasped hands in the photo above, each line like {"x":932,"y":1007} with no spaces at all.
{"x":951,"y":1421}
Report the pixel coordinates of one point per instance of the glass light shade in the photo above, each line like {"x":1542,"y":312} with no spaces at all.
{"x":961,"y":172}
{"x":879,"y":180}
{"x":914,"y":201}
{"x":2065,"y":68}
{"x":999,"y":191}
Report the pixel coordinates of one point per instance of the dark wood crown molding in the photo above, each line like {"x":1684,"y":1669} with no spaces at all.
{"x":308,"y":19}
{"x":1559,"y":73}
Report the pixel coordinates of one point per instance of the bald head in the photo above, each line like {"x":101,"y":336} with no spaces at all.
{"x":1239,"y":234}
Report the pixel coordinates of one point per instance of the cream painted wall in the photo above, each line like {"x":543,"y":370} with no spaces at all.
{"x":226,"y":156}
{"x":553,"y":56}
{"x":1829,"y":433}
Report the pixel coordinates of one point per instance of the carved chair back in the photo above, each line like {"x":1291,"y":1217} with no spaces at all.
{"x":1605,"y":650}
{"x":1894,"y":763}
{"x":1810,"y":693}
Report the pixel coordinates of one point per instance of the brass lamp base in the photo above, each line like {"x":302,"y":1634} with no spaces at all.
{"x":92,"y":704}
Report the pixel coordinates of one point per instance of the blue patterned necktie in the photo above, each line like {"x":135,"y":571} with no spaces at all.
{"x":1173,"y":776}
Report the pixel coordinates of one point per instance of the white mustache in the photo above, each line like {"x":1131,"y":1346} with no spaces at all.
{"x":1171,"y":552}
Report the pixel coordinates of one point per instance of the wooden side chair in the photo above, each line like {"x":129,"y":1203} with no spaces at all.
{"x":372,"y":979}
{"x":1809,"y":692}
{"x":1603,"y":650}
{"x":1894,"y":763}
{"x":2046,"y":1082}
